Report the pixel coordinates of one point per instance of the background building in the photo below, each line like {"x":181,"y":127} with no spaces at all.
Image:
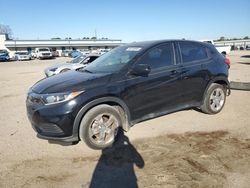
{"x":57,"y":44}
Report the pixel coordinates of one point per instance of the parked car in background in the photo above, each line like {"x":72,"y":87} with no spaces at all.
{"x":33,"y":54}
{"x":55,"y":53}
{"x":4,"y":55}
{"x":75,"y":54}
{"x":222,"y":49}
{"x":77,"y":63}
{"x":20,"y":56}
{"x":103,"y":51}
{"x":43,"y":53}
{"x":65,"y":53}
{"x":85,"y":51}
{"x":233,"y":47}
{"x":95,"y":51}
{"x":129,"y":84}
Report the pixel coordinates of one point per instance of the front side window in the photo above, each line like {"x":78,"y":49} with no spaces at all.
{"x":158,"y":57}
{"x":192,"y":52}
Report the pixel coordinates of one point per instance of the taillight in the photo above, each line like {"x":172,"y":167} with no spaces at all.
{"x":227,"y":61}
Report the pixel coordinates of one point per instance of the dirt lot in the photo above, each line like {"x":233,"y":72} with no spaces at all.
{"x":183,"y":149}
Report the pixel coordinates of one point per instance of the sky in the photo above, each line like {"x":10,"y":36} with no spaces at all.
{"x":128,"y":20}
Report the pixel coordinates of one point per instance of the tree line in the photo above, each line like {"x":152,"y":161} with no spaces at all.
{"x":228,"y":39}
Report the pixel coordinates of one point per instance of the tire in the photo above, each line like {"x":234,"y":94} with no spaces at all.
{"x":214,"y":99}
{"x":99,"y":126}
{"x":64,"y":70}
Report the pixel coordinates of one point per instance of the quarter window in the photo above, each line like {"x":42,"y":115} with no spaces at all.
{"x":192,"y":52}
{"x":158,"y":57}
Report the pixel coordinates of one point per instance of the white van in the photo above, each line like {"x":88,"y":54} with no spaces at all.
{"x":43,"y":53}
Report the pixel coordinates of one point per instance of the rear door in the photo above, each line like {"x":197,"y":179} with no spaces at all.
{"x":194,"y":59}
{"x":161,"y":89}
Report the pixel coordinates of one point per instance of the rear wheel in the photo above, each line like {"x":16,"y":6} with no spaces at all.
{"x":99,"y":126}
{"x":214,"y":100}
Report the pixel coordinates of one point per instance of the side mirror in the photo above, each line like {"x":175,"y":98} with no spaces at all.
{"x":140,"y":70}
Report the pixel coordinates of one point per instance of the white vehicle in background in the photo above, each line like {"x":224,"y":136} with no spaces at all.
{"x":77,"y":63}
{"x":65,"y":53}
{"x":43,"y":53}
{"x":103,"y":51}
{"x":221,"y":48}
{"x":85,"y":51}
{"x":20,"y":56}
{"x":94,"y":51}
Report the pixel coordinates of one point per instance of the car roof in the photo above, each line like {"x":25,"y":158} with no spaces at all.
{"x":146,"y":44}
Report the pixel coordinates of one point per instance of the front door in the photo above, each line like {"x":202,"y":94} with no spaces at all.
{"x":160,"y":91}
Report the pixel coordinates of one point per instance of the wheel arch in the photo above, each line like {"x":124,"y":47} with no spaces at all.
{"x":113,"y":101}
{"x":222,"y":80}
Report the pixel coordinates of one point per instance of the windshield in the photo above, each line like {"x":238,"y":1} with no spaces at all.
{"x":114,"y":60}
{"x":78,"y":59}
{"x":3,"y":51}
{"x":43,"y":50}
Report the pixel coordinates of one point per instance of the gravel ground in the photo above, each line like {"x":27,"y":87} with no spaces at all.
{"x":182,"y":149}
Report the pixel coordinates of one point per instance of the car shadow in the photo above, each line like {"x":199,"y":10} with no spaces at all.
{"x":115,"y":167}
{"x":244,"y":63}
{"x":246,"y":56}
{"x":196,"y":109}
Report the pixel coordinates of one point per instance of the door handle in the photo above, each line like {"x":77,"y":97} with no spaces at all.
{"x":173,"y":73}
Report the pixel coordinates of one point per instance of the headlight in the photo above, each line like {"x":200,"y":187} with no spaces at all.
{"x":59,"y":97}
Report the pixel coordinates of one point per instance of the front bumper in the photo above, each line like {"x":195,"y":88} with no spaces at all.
{"x":24,"y":58}
{"x":46,"y":57}
{"x":52,"y":122}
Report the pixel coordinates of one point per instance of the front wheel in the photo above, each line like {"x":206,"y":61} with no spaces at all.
{"x":214,"y":100}
{"x":99,"y":126}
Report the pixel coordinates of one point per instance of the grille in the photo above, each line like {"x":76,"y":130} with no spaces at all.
{"x":45,"y":53}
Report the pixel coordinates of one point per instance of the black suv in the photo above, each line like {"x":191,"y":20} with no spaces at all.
{"x":129,"y":84}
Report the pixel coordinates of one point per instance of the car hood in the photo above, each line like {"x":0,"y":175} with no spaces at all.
{"x":70,"y":81}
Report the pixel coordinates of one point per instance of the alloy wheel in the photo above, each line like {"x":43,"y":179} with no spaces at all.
{"x":103,"y":129}
{"x":217,"y":99}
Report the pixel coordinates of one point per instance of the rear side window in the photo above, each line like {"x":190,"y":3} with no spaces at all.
{"x":158,"y":57}
{"x":192,"y":52}
{"x":211,"y":51}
